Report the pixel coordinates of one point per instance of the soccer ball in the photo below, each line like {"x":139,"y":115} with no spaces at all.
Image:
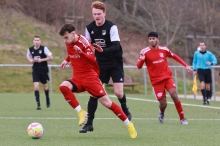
{"x":35,"y":130}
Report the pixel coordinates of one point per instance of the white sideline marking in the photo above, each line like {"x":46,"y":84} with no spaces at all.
{"x":195,"y":105}
{"x":41,"y":118}
{"x":131,"y":98}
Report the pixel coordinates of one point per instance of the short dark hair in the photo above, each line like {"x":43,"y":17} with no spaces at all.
{"x":37,"y":36}
{"x":203,"y":42}
{"x":152,"y":34}
{"x":66,"y":28}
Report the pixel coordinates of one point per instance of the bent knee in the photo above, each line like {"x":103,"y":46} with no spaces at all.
{"x":163,"y":104}
{"x":119,"y":94}
{"x":36,"y":88}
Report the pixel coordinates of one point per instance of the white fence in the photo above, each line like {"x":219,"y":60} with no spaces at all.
{"x":145,"y":76}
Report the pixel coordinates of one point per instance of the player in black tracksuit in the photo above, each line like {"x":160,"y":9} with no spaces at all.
{"x":110,"y":61}
{"x":38,"y":55}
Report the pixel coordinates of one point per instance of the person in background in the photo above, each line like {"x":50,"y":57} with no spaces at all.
{"x":202,"y":63}
{"x":86,"y":77}
{"x":104,"y":33}
{"x":38,"y":55}
{"x":160,"y":74}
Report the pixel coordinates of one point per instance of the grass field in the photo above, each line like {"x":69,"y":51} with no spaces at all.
{"x":17,"y":111}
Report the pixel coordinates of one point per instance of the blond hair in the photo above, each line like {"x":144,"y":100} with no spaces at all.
{"x":98,"y":5}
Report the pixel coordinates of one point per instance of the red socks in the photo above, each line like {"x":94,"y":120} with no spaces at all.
{"x":69,"y":96}
{"x":118,"y":111}
{"x":179,"y":109}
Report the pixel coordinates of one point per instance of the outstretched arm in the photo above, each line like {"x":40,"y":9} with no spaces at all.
{"x":178,"y":59}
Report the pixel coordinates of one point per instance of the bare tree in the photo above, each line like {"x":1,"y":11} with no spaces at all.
{"x":125,"y":6}
{"x":172,"y":19}
{"x":163,"y":16}
{"x":135,"y":8}
{"x":48,"y":11}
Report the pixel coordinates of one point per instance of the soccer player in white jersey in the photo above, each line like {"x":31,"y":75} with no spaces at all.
{"x":104,"y":33}
{"x":38,"y":55}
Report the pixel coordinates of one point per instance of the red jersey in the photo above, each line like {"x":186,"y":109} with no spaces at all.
{"x":84,"y":64}
{"x":156,"y":63}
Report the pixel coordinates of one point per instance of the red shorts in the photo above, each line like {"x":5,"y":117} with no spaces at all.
{"x":91,"y":84}
{"x":159,"y":88}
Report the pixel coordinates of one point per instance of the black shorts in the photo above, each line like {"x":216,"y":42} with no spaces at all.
{"x":40,"y":75}
{"x":116,"y":72}
{"x":204,"y":75}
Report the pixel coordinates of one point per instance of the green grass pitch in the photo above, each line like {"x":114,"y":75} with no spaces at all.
{"x":61,"y":128}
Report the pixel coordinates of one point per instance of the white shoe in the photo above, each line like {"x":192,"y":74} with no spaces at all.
{"x":160,"y":117}
{"x":208,"y":101}
{"x":183,"y":121}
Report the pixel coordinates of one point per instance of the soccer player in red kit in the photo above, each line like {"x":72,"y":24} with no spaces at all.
{"x":86,"y":76}
{"x":160,"y":74}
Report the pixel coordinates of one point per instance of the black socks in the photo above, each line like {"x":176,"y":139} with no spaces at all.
{"x":204,"y":94}
{"x":37,"y":97}
{"x":92,"y":106}
{"x":208,"y":94}
{"x":46,"y":93}
{"x":123,"y":101}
